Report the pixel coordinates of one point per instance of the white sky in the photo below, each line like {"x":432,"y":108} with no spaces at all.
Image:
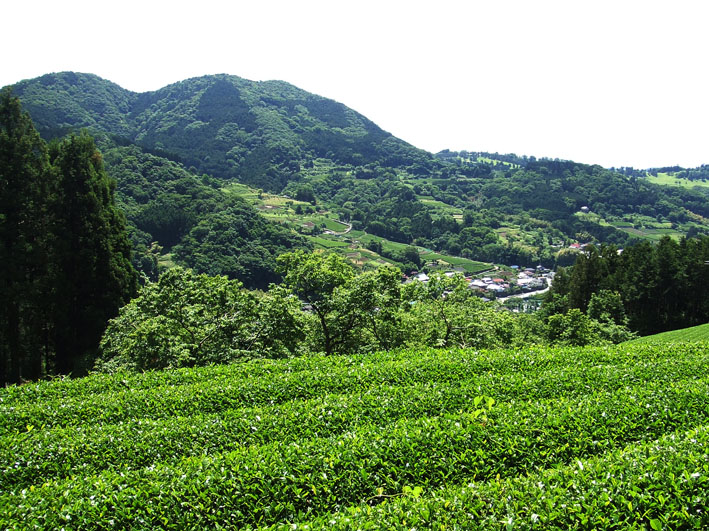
{"x":617,"y":83}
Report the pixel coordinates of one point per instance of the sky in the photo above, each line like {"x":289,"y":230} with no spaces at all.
{"x":616,"y":83}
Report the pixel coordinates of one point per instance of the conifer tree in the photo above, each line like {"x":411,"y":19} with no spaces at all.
{"x":25,"y":183}
{"x":92,"y":274}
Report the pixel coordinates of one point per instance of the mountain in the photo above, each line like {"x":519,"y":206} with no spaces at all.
{"x":257,"y":132}
{"x":181,"y":156}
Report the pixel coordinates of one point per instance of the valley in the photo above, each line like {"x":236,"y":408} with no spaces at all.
{"x":237,"y":305}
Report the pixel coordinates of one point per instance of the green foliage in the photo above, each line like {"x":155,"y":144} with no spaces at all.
{"x":319,"y":280}
{"x":662,"y":286}
{"x":238,"y":243}
{"x":606,"y":305}
{"x":25,"y":186}
{"x":258,"y":132}
{"x":444,"y":312}
{"x":94,"y":276}
{"x":64,"y":252}
{"x":485,"y":207}
{"x":549,"y":438}
{"x":572,"y":328}
{"x":375,"y":298}
{"x":186,"y":320}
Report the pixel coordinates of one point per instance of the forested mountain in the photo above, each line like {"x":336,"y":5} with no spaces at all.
{"x":176,"y":152}
{"x":225,"y":126}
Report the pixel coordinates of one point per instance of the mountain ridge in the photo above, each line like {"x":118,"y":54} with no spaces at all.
{"x":220,"y":124}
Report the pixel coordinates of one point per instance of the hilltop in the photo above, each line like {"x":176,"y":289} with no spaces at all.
{"x":226,"y":126}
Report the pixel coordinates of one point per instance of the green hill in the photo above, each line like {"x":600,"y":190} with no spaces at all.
{"x":694,"y":333}
{"x":226,"y":126}
{"x":176,"y":150}
{"x":602,"y":438}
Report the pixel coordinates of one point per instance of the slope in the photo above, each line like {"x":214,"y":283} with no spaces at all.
{"x":226,"y":126}
{"x":538,"y":438}
{"x":281,"y":139}
{"x":694,"y":333}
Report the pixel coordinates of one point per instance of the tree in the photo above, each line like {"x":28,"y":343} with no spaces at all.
{"x":606,"y":305}
{"x":25,"y":187}
{"x":573,"y":328}
{"x":444,"y":312}
{"x":65,"y":258}
{"x":411,"y":256}
{"x":237,"y":242}
{"x":375,"y":298}
{"x":315,"y":279}
{"x":92,"y":274}
{"x":186,"y":319}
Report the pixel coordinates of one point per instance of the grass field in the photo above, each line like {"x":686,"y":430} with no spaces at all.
{"x":646,"y":227}
{"x":533,"y":438}
{"x":327,"y":243}
{"x":667,"y":179}
{"x":695,"y":333}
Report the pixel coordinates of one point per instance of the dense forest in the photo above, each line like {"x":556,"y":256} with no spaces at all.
{"x":662,"y":287}
{"x":65,"y":260}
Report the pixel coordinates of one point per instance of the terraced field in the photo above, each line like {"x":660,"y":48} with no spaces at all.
{"x":537,"y":438}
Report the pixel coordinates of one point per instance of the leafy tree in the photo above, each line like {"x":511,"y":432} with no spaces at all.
{"x":315,"y":278}
{"x":186,"y":319}
{"x":410,"y":255}
{"x":65,"y":262}
{"x":375,"y":298}
{"x":572,"y":328}
{"x":239,"y":243}
{"x":659,"y":285}
{"x":444,"y":312}
{"x":305,"y":192}
{"x":606,"y":305}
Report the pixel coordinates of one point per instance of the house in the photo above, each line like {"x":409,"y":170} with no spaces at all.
{"x":422,"y":277}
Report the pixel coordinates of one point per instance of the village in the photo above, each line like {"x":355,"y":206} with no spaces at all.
{"x":502,"y":284}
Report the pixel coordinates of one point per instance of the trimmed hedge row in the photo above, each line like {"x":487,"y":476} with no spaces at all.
{"x":310,"y":438}
{"x":656,"y":485}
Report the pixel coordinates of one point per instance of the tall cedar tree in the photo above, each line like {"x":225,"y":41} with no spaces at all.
{"x":92,"y":275}
{"x":24,"y":189}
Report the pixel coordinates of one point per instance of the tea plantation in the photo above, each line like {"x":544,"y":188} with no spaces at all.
{"x":694,"y":333}
{"x":534,"y":438}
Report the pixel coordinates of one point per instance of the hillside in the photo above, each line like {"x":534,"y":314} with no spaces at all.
{"x":225,"y":126}
{"x":694,"y":333}
{"x":538,"y":438}
{"x":180,"y":153}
